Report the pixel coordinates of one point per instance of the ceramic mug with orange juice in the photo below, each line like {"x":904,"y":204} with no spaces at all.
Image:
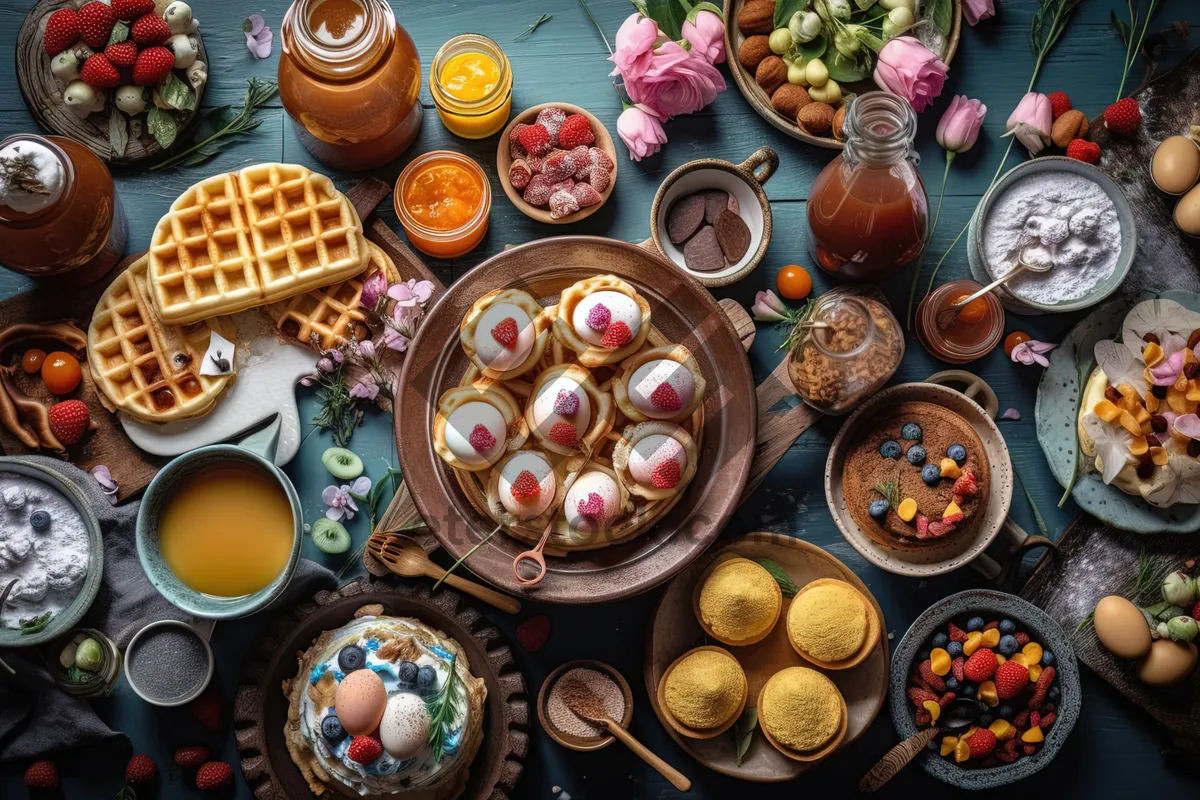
{"x":220,"y":528}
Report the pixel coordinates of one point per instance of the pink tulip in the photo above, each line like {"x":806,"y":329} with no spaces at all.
{"x":640,"y":128}
{"x":678,"y":82}
{"x":707,"y":35}
{"x":1030,"y":122}
{"x":910,"y":69}
{"x":635,"y":47}
{"x":975,"y":10}
{"x":959,"y":127}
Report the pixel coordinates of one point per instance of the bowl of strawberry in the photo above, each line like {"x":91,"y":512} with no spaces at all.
{"x":1012,"y":660}
{"x":557,"y":163}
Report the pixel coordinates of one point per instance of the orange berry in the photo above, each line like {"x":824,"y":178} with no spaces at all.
{"x":794,"y":282}
{"x":1012,"y":340}
{"x":32,"y":362}
{"x":973,"y":311}
{"x":60,"y":372}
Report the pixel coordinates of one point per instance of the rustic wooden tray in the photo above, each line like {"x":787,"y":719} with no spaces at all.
{"x":260,"y":709}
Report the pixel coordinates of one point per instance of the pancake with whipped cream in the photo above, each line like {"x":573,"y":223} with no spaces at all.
{"x":660,"y":388}
{"x":505,"y":333}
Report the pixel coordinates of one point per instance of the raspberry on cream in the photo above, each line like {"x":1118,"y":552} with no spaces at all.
{"x":527,"y":485}
{"x":493,"y":344}
{"x":472,"y":446}
{"x":594,"y":314}
{"x":593,"y":501}
{"x":647,"y":461}
{"x":660,"y":388}
{"x":554,"y":399}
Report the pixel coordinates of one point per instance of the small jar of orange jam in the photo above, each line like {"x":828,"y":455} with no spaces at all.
{"x":443,"y":200}
{"x":471,"y":83}
{"x":973,"y":334}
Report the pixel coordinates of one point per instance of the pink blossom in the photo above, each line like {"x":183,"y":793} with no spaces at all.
{"x":108,"y":484}
{"x":1187,"y":425}
{"x":1011,"y":414}
{"x":341,"y":500}
{"x":976,"y":10}
{"x":366,"y":349}
{"x":768,"y":307}
{"x":325,"y":365}
{"x":308,"y":380}
{"x":910,"y":69}
{"x":1030,"y":122}
{"x":374,"y":288}
{"x":959,"y":127}
{"x":635,"y":47}
{"x":707,"y":35}
{"x":258,"y":36}
{"x":640,"y":128}
{"x":411,"y":294}
{"x":1032,"y":352}
{"x":395,"y":340}
{"x":366,"y":388}
{"x":678,"y":82}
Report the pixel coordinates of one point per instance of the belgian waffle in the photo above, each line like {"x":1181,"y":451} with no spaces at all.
{"x":146,"y":368}
{"x":244,"y":239}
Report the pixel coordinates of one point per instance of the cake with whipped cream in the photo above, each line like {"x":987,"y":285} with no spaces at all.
{"x":384,"y":707}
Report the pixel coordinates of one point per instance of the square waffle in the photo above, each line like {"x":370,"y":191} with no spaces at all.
{"x":244,"y":239}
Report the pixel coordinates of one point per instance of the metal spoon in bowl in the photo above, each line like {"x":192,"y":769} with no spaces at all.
{"x":947,"y":316}
{"x":958,"y":715}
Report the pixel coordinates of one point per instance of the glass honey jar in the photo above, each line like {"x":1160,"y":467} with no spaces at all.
{"x":471,"y":82}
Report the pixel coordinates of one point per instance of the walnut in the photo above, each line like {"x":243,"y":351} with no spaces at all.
{"x":1072,"y":124}
{"x":757,"y":16}
{"x":816,"y":118}
{"x":789,"y":99}
{"x":771,"y":74}
{"x":753,"y":50}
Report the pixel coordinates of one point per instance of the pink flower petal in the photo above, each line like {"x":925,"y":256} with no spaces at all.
{"x":1011,"y":413}
{"x":1188,"y":425}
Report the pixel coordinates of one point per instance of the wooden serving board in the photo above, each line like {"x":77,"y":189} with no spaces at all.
{"x":261,"y":708}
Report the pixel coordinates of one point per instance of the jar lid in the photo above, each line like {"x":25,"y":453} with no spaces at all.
{"x":32,"y":176}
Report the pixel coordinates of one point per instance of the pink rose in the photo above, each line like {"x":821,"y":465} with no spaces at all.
{"x":908,"y":68}
{"x":707,"y":35}
{"x":678,"y":82}
{"x":641,"y":130}
{"x":635,"y":47}
{"x":959,"y":127}
{"x":975,"y":10}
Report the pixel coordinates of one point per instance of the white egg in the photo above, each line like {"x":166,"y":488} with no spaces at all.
{"x":404,"y":728}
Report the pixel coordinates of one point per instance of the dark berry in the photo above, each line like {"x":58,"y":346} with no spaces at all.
{"x":890,"y":449}
{"x":916,"y":455}
{"x":40,"y":520}
{"x":426,"y":677}
{"x":940,"y":640}
{"x":1047,"y":658}
{"x":931,"y":474}
{"x":935,"y":745}
{"x":352,"y":657}
{"x":952,"y":683}
{"x":985,"y":719}
{"x":954,"y":649}
{"x":1008,"y":645}
{"x":1004,"y":712}
{"x":878,"y":509}
{"x":1008,"y":626}
{"x":1054,"y":694}
{"x":975,"y":624}
{"x":923,"y":655}
{"x":958,"y":453}
{"x":967,"y":690}
{"x":331,"y":728}
{"x":911,"y":432}
{"x":406,"y":674}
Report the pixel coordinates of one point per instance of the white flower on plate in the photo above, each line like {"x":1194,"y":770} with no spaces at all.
{"x":1159,"y":317}
{"x":1121,"y":365}
{"x":1112,"y":446}
{"x":1181,"y":482}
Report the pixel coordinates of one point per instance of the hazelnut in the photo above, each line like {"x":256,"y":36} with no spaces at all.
{"x":1072,"y":124}
{"x":757,"y":16}
{"x":789,"y":99}
{"x":753,"y":50}
{"x":771,"y":74}
{"x":839,"y":119}
{"x":816,"y":118}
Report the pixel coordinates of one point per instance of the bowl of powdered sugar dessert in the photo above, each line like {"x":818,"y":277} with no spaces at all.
{"x":1059,"y":212}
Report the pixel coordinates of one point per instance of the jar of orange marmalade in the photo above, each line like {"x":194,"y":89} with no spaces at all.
{"x":443,"y":200}
{"x":471,"y":82}
{"x":350,"y":77}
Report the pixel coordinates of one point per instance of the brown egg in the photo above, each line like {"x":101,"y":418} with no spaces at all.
{"x":1187,"y":212}
{"x":360,"y":702}
{"x":1121,"y":627}
{"x":1167,"y":662}
{"x":1175,"y":165}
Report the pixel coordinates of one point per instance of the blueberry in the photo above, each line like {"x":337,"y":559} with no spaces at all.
{"x":911,"y":432}
{"x":426,"y":678}
{"x":1047,"y":658}
{"x":958,"y":453}
{"x":331,"y":728}
{"x":923,"y":655}
{"x":967,"y":690}
{"x":935,"y":746}
{"x":985,"y":719}
{"x":879,"y":509}
{"x":406,"y":674}
{"x":1008,"y":626}
{"x":1005,"y":712}
{"x":952,"y":683}
{"x":975,"y":624}
{"x":890,"y":449}
{"x":352,"y":657}
{"x":931,"y":474}
{"x":954,"y":649}
{"x":40,"y":521}
{"x":916,"y":455}
{"x":1054,"y":694}
{"x":1008,"y":645}
{"x":941,"y":640}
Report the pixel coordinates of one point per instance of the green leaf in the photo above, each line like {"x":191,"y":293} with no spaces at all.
{"x":743,"y":732}
{"x":786,"y":584}
{"x":118,"y":132}
{"x":669,"y":15}
{"x":120,"y":33}
{"x":846,"y":70}
{"x":863,"y":5}
{"x":942,"y":16}
{"x":213,"y":121}
{"x":704,"y":5}
{"x":177,"y":94}
{"x":1120,"y":26}
{"x":814,"y":48}
{"x":786,"y":9}
{"x":162,"y":126}
{"x":36,"y":624}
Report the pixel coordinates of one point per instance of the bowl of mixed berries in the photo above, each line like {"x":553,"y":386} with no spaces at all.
{"x":1015,"y":666}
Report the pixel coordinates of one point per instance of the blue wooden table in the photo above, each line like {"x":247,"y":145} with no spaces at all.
{"x":1114,"y":750}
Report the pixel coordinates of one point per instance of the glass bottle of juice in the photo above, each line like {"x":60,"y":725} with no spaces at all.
{"x":349,"y":76}
{"x":868,"y":211}
{"x":59,"y":212}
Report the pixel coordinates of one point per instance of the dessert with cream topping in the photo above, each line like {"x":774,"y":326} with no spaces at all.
{"x":663,"y":383}
{"x":526,"y":484}
{"x":603,"y":319}
{"x":504,"y":334}
{"x":476,"y":425}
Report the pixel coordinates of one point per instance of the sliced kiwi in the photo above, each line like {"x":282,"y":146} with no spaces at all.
{"x":342,"y":464}
{"x":330,"y":536}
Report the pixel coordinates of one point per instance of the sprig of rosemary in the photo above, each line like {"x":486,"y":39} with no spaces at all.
{"x":223,"y":122}
{"x":1147,"y":584}
{"x":795,"y":316}
{"x":537,"y":23}
{"x":442,"y":707}
{"x":890,"y":491}
{"x":339,"y":413}
{"x":465,"y":556}
{"x":1127,"y":33}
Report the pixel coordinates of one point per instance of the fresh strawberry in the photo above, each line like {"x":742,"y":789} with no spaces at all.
{"x":617,"y":335}
{"x":122,"y":54}
{"x":585,"y":195}
{"x":148,"y":30}
{"x":592,"y":507}
{"x":95,"y":24}
{"x":152,"y":65}
{"x":129,"y":10}
{"x":364,"y":749}
{"x":1083,"y":150}
{"x":42,"y":775}
{"x":966,"y":485}
{"x":666,"y":475}
{"x":955,"y":633}
{"x":956,"y":668}
{"x":599,"y":318}
{"x":99,"y":73}
{"x":192,"y":756}
{"x":207,"y":708}
{"x":506,"y":332}
{"x":1059,"y":104}
{"x":575,"y":131}
{"x":563,"y":433}
{"x":481,"y":438}
{"x":70,"y":419}
{"x":140,"y":769}
{"x":981,"y":743}
{"x":525,"y":486}
{"x":665,"y":397}
{"x":534,"y":632}
{"x":981,"y":665}
{"x":1123,"y":117}
{"x":62,"y":31}
{"x":558,"y":166}
{"x":213,"y":775}
{"x":551,"y":118}
{"x":562,"y":203}
{"x":535,"y":139}
{"x":539,"y":190}
{"x":519,"y":173}
{"x":566,"y":403}
{"x":930,"y":677}
{"x":1011,"y":678}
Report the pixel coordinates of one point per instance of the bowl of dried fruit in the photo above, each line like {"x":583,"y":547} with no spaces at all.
{"x":557,"y":163}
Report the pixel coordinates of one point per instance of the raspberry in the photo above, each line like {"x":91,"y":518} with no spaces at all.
{"x":599,"y":318}
{"x":966,"y":485}
{"x":551,"y":118}
{"x":1048,"y":720}
{"x":1043,"y":685}
{"x":575,"y":131}
{"x":1005,"y":755}
{"x":592,"y":507}
{"x":1085,"y":151}
{"x":1021,"y":720}
{"x":69,"y":419}
{"x":562,"y":203}
{"x":525,"y":486}
{"x":152,"y":65}
{"x":95,"y":24}
{"x":122,"y":54}
{"x":535,"y":139}
{"x":1059,"y":104}
{"x":922,"y":718}
{"x":519,"y":173}
{"x":1196,"y":611}
{"x":558,"y":166}
{"x":585,"y":195}
{"x":515,"y":150}
{"x":956,"y":633}
{"x":930,"y":677}
{"x":364,"y":749}
{"x":99,"y":73}
{"x":191,"y":756}
{"x":42,"y":775}
{"x":918,"y":696}
{"x":666,"y":475}
{"x":149,"y":30}
{"x":563,"y":433}
{"x":505,"y":332}
{"x":980,"y":666}
{"x":481,"y":438}
{"x":1123,"y":117}
{"x":981,"y":743}
{"x":213,"y":775}
{"x":566,"y":403}
{"x":1035,"y":719}
{"x":1022,"y":638}
{"x":1029,"y":749}
{"x":140,"y":770}
{"x":946,"y":699}
{"x":534,"y":632}
{"x":617,"y":335}
{"x":956,"y":668}
{"x":538,"y":192}
{"x":62,"y":31}
{"x":1011,"y":678}
{"x":665,"y":397}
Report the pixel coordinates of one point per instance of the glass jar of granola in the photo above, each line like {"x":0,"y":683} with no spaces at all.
{"x":848,"y":346}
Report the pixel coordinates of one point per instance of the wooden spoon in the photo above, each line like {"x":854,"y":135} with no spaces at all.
{"x":587,"y":705}
{"x":956,"y":716}
{"x":405,"y":556}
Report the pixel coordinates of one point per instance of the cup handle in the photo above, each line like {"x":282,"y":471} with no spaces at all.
{"x":265,"y":442}
{"x":761,"y":164}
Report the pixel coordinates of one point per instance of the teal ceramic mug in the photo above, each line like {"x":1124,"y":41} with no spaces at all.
{"x":257,"y":450}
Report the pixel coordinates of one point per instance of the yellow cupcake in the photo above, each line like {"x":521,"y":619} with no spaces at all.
{"x":705,"y":689}
{"x":801,"y":709}
{"x":829,"y":621}
{"x":739,"y":601}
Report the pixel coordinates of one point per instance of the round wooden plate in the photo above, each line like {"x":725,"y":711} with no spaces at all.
{"x":43,"y":96}
{"x":261,"y":708}
{"x":685,"y":313}
{"x":674,"y":630}
{"x":761,"y":102}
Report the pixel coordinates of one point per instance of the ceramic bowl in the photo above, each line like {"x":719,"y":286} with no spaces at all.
{"x":69,"y":616}
{"x":981,"y":270}
{"x":745,"y":182}
{"x":504,"y":161}
{"x":936,"y":559}
{"x":570,"y":741}
{"x":208,"y":668}
{"x":989,"y":604}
